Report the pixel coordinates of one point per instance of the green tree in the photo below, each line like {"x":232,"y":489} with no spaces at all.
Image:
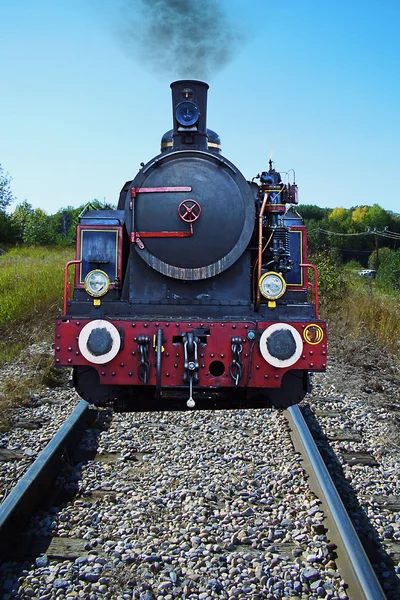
{"x":6,"y":195}
{"x":38,"y":229}
{"x":377,"y":217}
{"x":20,"y":218}
{"x":340,"y":220}
{"x":34,"y":226}
{"x":64,"y":225}
{"x":388,"y":274}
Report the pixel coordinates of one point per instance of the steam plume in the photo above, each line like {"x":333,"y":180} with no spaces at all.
{"x":183,"y":38}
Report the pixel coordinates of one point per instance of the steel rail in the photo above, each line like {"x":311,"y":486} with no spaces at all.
{"x":23,"y":499}
{"x":353,"y":564}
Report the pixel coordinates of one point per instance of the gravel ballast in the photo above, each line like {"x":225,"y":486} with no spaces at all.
{"x":206,"y":504}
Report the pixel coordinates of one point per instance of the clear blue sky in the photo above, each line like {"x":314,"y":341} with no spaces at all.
{"x":314,"y":83}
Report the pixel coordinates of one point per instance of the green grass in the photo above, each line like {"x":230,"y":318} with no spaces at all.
{"x":31,"y":289}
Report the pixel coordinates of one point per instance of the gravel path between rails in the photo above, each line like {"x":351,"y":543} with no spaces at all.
{"x":193,"y":505}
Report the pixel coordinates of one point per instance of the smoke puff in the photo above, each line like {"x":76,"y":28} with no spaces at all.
{"x":184,"y":38}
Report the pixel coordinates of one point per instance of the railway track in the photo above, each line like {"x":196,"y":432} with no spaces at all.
{"x":188,"y":505}
{"x":354,"y":563}
{"x":27,"y":495}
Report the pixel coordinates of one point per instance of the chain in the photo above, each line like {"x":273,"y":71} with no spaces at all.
{"x":236,"y":367}
{"x":144,"y":363}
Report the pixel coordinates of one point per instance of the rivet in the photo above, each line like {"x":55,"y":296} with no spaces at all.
{"x":222,"y":324}
{"x":212,"y":354}
{"x":58,"y":348}
{"x":133,"y":324}
{"x":176,"y":365}
{"x":233,"y":326}
{"x":324,"y":353}
{"x":258,"y":366}
{"x":70,"y":360}
{"x":77,"y":353}
{"x":166,"y":324}
{"x":130,"y":374}
{"x":246,"y":326}
{"x":58,"y":336}
{"x":135,"y":339}
{"x":177,"y":355}
{"x":311,"y":352}
{"x":78,"y":322}
{"x":166,"y":374}
{"x":146,"y":325}
{"x":69,"y":349}
{"x":323,"y":365}
{"x":57,"y":360}
{"x":157,"y":324}
{"x":167,"y":354}
{"x":103,"y":372}
{"x":303,"y":356}
{"x":133,"y":353}
{"x":201,"y":355}
{"x":265,"y":376}
{"x":113,"y":373}
{"x":222,"y":355}
{"x":121,"y":364}
{"x":246,"y":356}
{"x":311,"y":364}
{"x":203,"y":366}
{"x":276,"y":376}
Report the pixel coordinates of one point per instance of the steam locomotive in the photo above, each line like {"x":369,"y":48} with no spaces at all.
{"x":195,"y":292}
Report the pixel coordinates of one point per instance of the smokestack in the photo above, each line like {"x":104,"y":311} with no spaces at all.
{"x":189,"y":115}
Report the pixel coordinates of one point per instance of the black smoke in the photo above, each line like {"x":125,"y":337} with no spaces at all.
{"x":180,"y":38}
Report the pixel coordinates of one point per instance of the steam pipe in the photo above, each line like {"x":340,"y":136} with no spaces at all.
{"x":260,"y":218}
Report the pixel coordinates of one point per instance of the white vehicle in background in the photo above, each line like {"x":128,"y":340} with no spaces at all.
{"x":367,"y":273}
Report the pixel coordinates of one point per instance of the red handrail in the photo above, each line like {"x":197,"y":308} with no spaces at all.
{"x":66,"y":283}
{"x":314,"y":286}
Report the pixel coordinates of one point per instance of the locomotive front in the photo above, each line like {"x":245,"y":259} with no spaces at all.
{"x":194,"y":292}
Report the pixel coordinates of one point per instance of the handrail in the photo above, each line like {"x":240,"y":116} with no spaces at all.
{"x":66,"y":284}
{"x":314,"y":286}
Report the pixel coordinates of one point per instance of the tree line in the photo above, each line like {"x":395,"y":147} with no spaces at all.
{"x":346,"y":231}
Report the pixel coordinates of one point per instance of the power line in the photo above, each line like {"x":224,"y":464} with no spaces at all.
{"x":326,"y":232}
{"x":391,"y":235}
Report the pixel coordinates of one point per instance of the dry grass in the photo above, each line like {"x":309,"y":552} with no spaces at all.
{"x":367,"y":315}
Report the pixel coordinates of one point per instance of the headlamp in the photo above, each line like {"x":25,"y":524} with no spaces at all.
{"x":272,"y":285}
{"x":187,"y":113}
{"x":97,"y":283}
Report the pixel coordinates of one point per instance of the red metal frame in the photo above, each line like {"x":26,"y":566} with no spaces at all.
{"x":147,"y":190}
{"x":118,"y":229}
{"x":136,"y":236}
{"x":123,"y":369}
